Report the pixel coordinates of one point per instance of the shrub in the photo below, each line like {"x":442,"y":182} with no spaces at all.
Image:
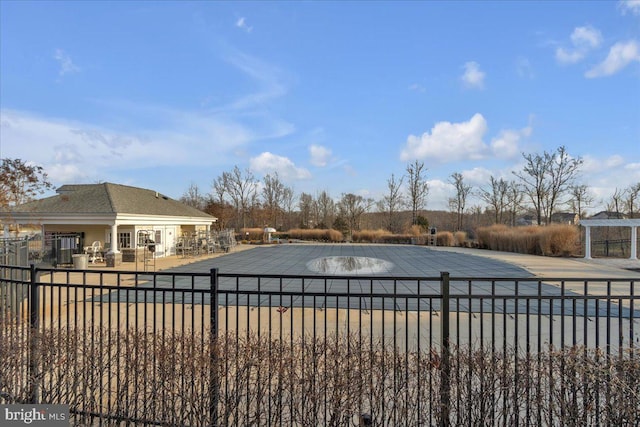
{"x":445,"y":238}
{"x":402,"y":239}
{"x":559,"y":239}
{"x":170,"y":378}
{"x":254,"y":234}
{"x":553,"y":240}
{"x":415,"y":230}
{"x":370,"y":236}
{"x":460,"y":238}
{"x":323,"y":235}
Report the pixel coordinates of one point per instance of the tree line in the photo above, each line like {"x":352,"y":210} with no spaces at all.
{"x":239,"y":200}
{"x":547,"y":183}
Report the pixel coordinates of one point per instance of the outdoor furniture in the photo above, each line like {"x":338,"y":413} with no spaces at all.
{"x":95,"y":252}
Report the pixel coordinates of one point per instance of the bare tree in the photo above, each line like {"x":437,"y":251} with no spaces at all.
{"x":579,"y":198}
{"x":21,"y":182}
{"x":352,"y":207}
{"x":458,"y":203}
{"x":563,"y":171}
{"x":288,"y":200}
{"x":496,"y":197}
{"x":219,"y":205}
{"x":515,"y":198}
{"x":616,"y":202}
{"x":273,"y":194}
{"x":533,"y":178}
{"x":418,"y":188}
{"x":326,"y":210}
{"x":631,"y":201}
{"x":305,"y":204}
{"x":546,"y":178}
{"x":193,"y":197}
{"x":242,"y":188}
{"x":392,"y":202}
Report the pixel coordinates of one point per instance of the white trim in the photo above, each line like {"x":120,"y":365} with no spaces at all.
{"x":109,"y":219}
{"x":635,"y":222}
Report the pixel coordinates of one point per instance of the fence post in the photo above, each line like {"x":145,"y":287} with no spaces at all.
{"x":34,"y":345}
{"x":445,"y":368}
{"x":214,"y":386}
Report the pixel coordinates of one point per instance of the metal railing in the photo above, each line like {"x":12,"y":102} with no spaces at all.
{"x":612,"y":247}
{"x":150,"y":348}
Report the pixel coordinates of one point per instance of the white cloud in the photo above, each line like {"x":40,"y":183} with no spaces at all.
{"x":66,"y":64}
{"x":507,"y":144}
{"x":76,"y":151}
{"x":630,"y":6}
{"x":268,"y":162}
{"x":583,"y":40}
{"x":604,"y":175}
{"x":439,"y":193}
{"x":447,"y":142}
{"x":473,"y":77}
{"x":319,"y":155}
{"x":477,"y":176}
{"x":620,"y":55}
{"x":588,"y":37}
{"x":242,"y":24}
{"x":569,"y":57}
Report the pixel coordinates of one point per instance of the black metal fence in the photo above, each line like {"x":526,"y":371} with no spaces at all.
{"x":612,"y":247}
{"x":14,"y":251}
{"x":150,"y":348}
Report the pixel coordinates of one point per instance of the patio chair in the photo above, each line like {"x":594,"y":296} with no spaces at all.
{"x":95,"y":252}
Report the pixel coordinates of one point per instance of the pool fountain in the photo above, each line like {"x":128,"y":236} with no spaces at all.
{"x":346,"y":265}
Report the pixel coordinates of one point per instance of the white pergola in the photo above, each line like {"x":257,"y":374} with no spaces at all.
{"x":633,"y":223}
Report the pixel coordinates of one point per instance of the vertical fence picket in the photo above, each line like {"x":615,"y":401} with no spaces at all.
{"x":214,"y":391}
{"x":34,"y":337}
{"x":445,"y":367}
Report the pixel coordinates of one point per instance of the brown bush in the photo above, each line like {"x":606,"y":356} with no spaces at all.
{"x":559,"y":239}
{"x":316,"y":234}
{"x":552,"y":240}
{"x":460,"y":238}
{"x":254,"y":234}
{"x":415,"y":230}
{"x":445,"y":238}
{"x":170,"y":378}
{"x":402,"y":239}
{"x":370,"y":236}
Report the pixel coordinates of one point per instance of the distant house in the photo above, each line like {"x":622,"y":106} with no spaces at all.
{"x":565,"y":218}
{"x":118,"y":216}
{"x":527,"y":219}
{"x":609,"y":215}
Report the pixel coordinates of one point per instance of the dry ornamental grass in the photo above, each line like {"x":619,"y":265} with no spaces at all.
{"x":171,"y":379}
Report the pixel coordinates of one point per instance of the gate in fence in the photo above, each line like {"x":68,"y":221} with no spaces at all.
{"x":151,"y":348}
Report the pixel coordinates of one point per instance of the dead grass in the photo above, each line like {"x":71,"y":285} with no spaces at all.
{"x":551,"y":240}
{"x":253,"y":234}
{"x":371,"y":236}
{"x":321,"y":235}
{"x":173,"y":378}
{"x":445,"y":238}
{"x":460,"y":238}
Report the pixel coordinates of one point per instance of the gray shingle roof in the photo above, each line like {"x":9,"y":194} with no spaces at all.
{"x":108,"y":198}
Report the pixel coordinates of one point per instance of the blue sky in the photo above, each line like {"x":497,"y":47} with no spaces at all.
{"x":333,"y":96}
